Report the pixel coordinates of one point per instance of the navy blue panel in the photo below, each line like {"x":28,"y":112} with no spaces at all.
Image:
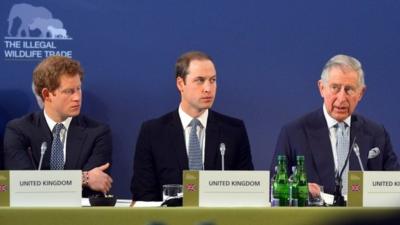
{"x":268,"y":54}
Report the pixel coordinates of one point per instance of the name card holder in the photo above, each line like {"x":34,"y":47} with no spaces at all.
{"x":226,"y":188}
{"x":45,"y":188}
{"x":374,"y":189}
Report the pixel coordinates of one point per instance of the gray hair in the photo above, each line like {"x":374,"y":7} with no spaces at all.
{"x":344,"y":62}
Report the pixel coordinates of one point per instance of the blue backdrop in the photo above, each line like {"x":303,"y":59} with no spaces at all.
{"x":268,"y":54}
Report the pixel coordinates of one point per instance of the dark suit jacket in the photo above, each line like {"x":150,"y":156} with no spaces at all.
{"x":88,"y":144}
{"x":309,"y":136}
{"x":161,"y":154}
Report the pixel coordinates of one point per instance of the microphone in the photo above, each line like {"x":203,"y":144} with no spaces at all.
{"x":356,"y":150}
{"x":339,"y":199}
{"x":43,"y":149}
{"x":222,"y":149}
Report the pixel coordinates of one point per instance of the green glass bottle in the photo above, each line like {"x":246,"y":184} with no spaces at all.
{"x":302,"y":182}
{"x":274,"y":201}
{"x":281,"y":185}
{"x":293,"y":190}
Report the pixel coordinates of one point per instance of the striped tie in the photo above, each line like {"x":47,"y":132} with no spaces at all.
{"x":342,"y":149}
{"x":195,"y":154}
{"x":57,"y":153}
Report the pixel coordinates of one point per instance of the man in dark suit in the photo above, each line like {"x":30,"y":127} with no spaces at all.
{"x":314,"y":135}
{"x":165,"y":146}
{"x":73,"y":141}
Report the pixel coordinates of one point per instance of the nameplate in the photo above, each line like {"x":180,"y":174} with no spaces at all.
{"x":374,"y":189}
{"x":226,"y":188}
{"x":41,"y":188}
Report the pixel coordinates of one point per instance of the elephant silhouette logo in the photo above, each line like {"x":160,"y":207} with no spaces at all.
{"x":57,"y":32}
{"x":27,"y":21}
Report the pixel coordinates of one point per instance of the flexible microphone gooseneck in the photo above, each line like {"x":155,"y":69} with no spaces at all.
{"x":339,"y":199}
{"x":222,"y":149}
{"x":356,"y":150}
{"x":43,"y":149}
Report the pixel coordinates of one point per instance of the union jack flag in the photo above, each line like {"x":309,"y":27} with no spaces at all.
{"x":355,"y":187}
{"x":191,"y":187}
{"x":3,"y":187}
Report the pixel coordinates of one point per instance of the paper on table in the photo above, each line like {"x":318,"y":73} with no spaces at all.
{"x":147,"y":204}
{"x":123,"y":203}
{"x":328,"y":198}
{"x":85,"y":202}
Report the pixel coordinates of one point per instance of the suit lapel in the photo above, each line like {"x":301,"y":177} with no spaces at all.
{"x":44,"y":135}
{"x":177,"y":138}
{"x":321,"y":148}
{"x":211,"y":145}
{"x":75,"y":139}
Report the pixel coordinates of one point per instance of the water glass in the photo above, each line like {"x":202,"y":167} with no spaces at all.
{"x":172,"y":191}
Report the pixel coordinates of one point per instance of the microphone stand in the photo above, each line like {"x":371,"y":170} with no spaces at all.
{"x":339,"y":199}
{"x":43,"y":149}
{"x":222,"y":149}
{"x":357,"y":151}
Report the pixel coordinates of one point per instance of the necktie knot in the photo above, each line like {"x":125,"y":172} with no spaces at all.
{"x":341,"y":128}
{"x":194,"y":123}
{"x":341,"y":125}
{"x":57,"y":128}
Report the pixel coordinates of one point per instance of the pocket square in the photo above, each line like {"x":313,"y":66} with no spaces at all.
{"x":373,"y":153}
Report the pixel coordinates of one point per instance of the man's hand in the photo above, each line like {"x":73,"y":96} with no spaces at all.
{"x":314,"y":190}
{"x":98,"y":180}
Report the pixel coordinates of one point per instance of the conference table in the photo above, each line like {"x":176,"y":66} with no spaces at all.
{"x":197,"y":216}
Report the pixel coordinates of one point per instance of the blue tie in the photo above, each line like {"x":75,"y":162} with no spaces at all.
{"x":342,"y":149}
{"x":57,"y":153}
{"x":195,"y":154}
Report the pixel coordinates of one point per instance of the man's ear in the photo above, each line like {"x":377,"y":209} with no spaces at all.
{"x":321,"y":87}
{"x":364,"y":89}
{"x":180,"y":83}
{"x":45,"y":94}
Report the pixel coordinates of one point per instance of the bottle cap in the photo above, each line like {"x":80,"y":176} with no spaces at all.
{"x":281,"y":157}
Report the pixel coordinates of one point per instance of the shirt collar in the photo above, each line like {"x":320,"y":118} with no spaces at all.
{"x":51,"y":123}
{"x":331,"y":121}
{"x":186,"y":119}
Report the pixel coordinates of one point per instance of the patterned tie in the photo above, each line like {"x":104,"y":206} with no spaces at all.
{"x":195,"y":154}
{"x":57,"y":153}
{"x":342,"y":149}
